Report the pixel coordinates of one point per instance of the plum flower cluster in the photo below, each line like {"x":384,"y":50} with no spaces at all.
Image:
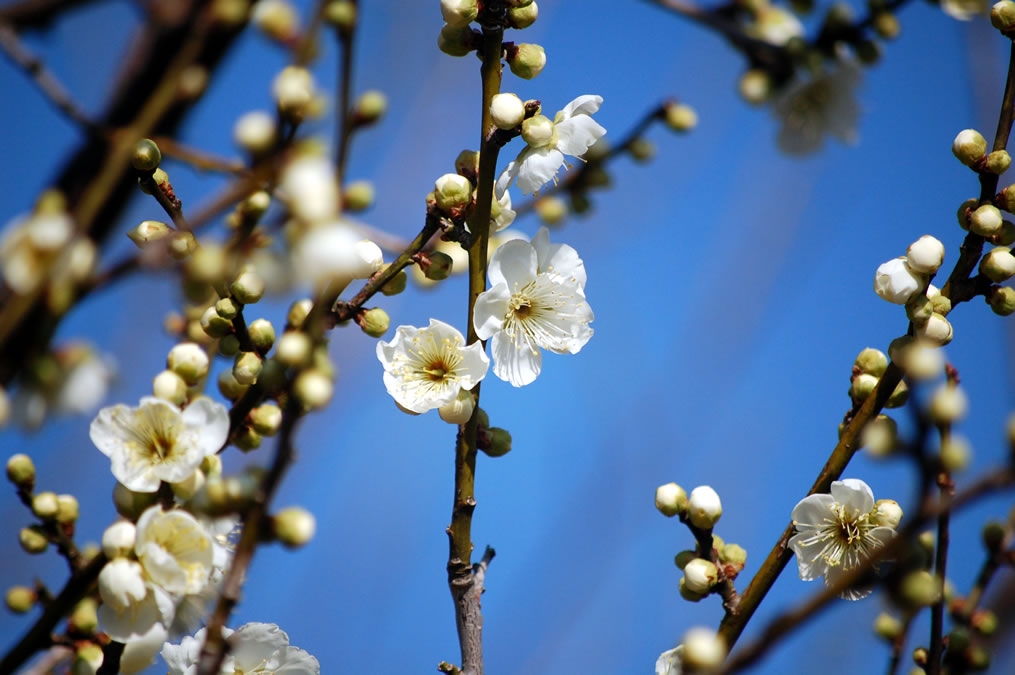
{"x":256,"y":649}
{"x":906,"y":281}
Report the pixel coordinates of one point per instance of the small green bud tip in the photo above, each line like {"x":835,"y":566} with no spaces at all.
{"x":266,"y":419}
{"x":313,"y":388}
{"x":371,"y":106}
{"x":87,"y":659}
{"x":919,"y":309}
{"x":21,"y":471}
{"x":467,"y":162}
{"x":69,"y":509}
{"x":642,"y":150}
{"x":526,"y":60}
{"x":298,"y":312}
{"x":993,"y":536}
{"x":887,"y":627}
{"x":920,"y":589}
{"x":20,"y":599}
{"x":214,"y":324}
{"x":294,"y":526}
{"x":396,"y":284}
{"x":671,"y":500}
{"x":684,"y":557}
{"x":886,"y":25}
{"x":500,"y":442}
{"x":984,"y":622}
{"x":262,"y":335}
{"x":523,"y":17}
{"x":246,"y":439}
{"x":482,"y":419}
{"x":33,"y":540}
{"x":456,"y":40}
{"x":246,"y":368}
{"x":1002,"y":16}
{"x":920,"y":657}
{"x":248,"y":288}
{"x":374,"y":322}
{"x":899,"y":396}
{"x":733,"y":554}
{"x":149,"y":231}
{"x":872,"y":362}
{"x":45,"y":505}
{"x":997,"y":162}
{"x":1002,"y":300}
{"x":688,"y":594}
{"x":437,"y":266}
{"x":85,"y":618}
{"x":147,"y":156}
{"x":969,"y":147}
{"x":227,"y":308}
{"x":358,"y":195}
{"x":342,"y":15}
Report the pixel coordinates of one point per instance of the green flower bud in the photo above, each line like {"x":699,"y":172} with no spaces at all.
{"x":182,"y":245}
{"x":958,"y":640}
{"x":298,"y":312}
{"x":246,"y":439}
{"x":1002,"y":16}
{"x":294,"y":526}
{"x":459,"y":12}
{"x":69,"y":509}
{"x":993,"y":536}
{"x":969,"y":147}
{"x":149,"y":231}
{"x":227,"y":308}
{"x":374,"y":322}
{"x":523,"y":17}
{"x":457,"y":40}
{"x":169,"y":386}
{"x":966,"y":209}
{"x":84,"y":617}
{"x":880,"y":436}
{"x":33,"y":540}
{"x":20,"y":599}
{"x":342,"y":15}
{"x":452,"y":192}
{"x":45,"y":505}
{"x":887,"y":513}
{"x":936,"y":331}
{"x":436,"y":265}
{"x":1006,"y":199}
{"x":941,"y":305}
{"x":187,"y":488}
{"x":266,"y":419}
{"x":899,"y":396}
{"x":247,"y":367}
{"x":920,"y":589}
{"x":507,"y":111}
{"x":89,"y":656}
{"x":733,"y":554}
{"x":214,"y":324}
{"x":160,"y":177}
{"x":704,"y":507}
{"x":998,"y":265}
{"x":986,"y":221}
{"x":551,"y":210}
{"x":1001,"y":300}
{"x":920,"y":658}
{"x":997,"y":162}
{"x":467,"y":161}
{"x":358,"y":195}
{"x":684,"y":557}
{"x":680,"y":117}
{"x":700,"y":576}
{"x":21,"y":471}
{"x":887,"y":627}
{"x":130,"y":504}
{"x":688,"y":594}
{"x":229,"y":345}
{"x":211,"y":465}
{"x":977,"y":657}
{"x":1006,"y":237}
{"x":755,"y":86}
{"x":189,"y":361}
{"x":371,"y":106}
{"x":538,"y":131}
{"x":642,"y":149}
{"x":919,"y":309}
{"x":206,"y":265}
{"x":886,"y":25}
{"x":500,"y":442}
{"x":248,"y":288}
{"x":313,"y":388}
{"x":262,"y":335}
{"x":926,"y":541}
{"x":277,"y":19}
{"x":229,"y":387}
{"x":396,"y":284}
{"x":147,"y":156}
{"x":862,"y":386}
{"x":984,"y":622}
{"x":526,"y":60}
{"x":671,"y":499}
{"x":956,"y":453}
{"x":872,"y":362}
{"x":294,"y":349}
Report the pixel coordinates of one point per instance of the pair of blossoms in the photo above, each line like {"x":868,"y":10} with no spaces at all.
{"x":835,"y":534}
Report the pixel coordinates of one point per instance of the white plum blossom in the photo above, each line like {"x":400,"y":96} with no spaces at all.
{"x":140,"y":651}
{"x":895,"y":282}
{"x":131,"y":605}
{"x":571,"y":132}
{"x":311,"y":189}
{"x":426,"y":368}
{"x":837,"y":532}
{"x":256,"y":649}
{"x":175,"y":550}
{"x":156,"y":441}
{"x":822,"y":106}
{"x":191,"y":609}
{"x":536,"y":300}
{"x":336,"y":253}
{"x":670,"y":662}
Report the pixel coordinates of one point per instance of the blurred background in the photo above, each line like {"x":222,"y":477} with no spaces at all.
{"x":731,"y":285}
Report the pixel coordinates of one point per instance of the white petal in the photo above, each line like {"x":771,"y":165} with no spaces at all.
{"x":539,"y":166}
{"x":518,"y":364}
{"x":139,"y":653}
{"x":813,"y":510}
{"x":854,"y":494}
{"x":810,"y":564}
{"x":506,"y":178}
{"x":514,"y":263}
{"x":474,"y":365}
{"x":586,"y":104}
{"x":254,"y":643}
{"x":576,"y":135}
{"x":836,"y":574}
{"x":558,"y":259}
{"x":295,"y":661}
{"x":491,"y":308}
{"x":107,"y":430}
{"x":211,"y":419}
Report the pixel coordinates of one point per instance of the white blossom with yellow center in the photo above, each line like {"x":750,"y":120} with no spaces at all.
{"x":536,"y":300}
{"x":156,"y":441}
{"x":823,"y":106}
{"x":255,"y":649}
{"x":837,"y":532}
{"x":174,"y":549}
{"x":426,"y":368}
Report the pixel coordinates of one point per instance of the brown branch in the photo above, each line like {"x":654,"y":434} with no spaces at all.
{"x":899,"y":644}
{"x":940,"y":571}
{"x":36,"y":13}
{"x":344,"y":128}
{"x":201,"y":159}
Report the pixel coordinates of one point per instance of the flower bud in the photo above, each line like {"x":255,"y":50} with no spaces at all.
{"x":169,"y":386}
{"x":20,"y":599}
{"x":294,"y":91}
{"x":313,"y":388}
{"x":984,"y":622}
{"x":248,"y":288}
{"x":459,"y":12}
{"x":1002,"y":300}
{"x":998,"y":265}
{"x":189,"y":361}
{"x":255,"y":132}
{"x":948,"y":404}
{"x":266,"y":419}
{"x":886,"y":25}
{"x":733,"y":554}
{"x":246,"y":439}
{"x":887,"y":513}
{"x":523,"y":17}
{"x":229,"y":387}
{"x":452,"y":191}
{"x":146,"y":156}
{"x":214,"y":324}
{"x":956,"y":453}
{"x":887,"y":627}
{"x":507,"y":111}
{"x":688,"y":594}
{"x":899,"y":396}
{"x":149,"y":231}
{"x":969,"y":147}
{"x":680,"y":117}
{"x":551,"y":210}
{"x":671,"y":500}
{"x":539,"y":131}
{"x":227,"y":308}
{"x":262,"y":335}
{"x":923,"y":362}
{"x":700,"y":576}
{"x":500,"y":442}
{"x":456,"y":40}
{"x":294,"y":349}
{"x":247,"y":367}
{"x":342,"y":15}
{"x":925,"y":255}
{"x":641,"y":149}
{"x":358,"y":195}
{"x":920,"y":589}
{"x":467,"y":161}
{"x":460,"y":410}
{"x":298,"y":312}
{"x":69,"y":509}
{"x":88,"y":658}
{"x":33,"y":540}
{"x":21,"y":471}
{"x":84,"y":617}
{"x":45,"y":505}
{"x":294,"y":526}
{"x":755,"y":86}
{"x":703,"y":649}
{"x":919,"y":309}
{"x":526,"y":60}
{"x":370,"y":106}
{"x":937,"y":330}
{"x":997,"y":162}
{"x":872,"y":362}
{"x":396,"y":284}
{"x":277,"y":19}
{"x":159,"y":176}
{"x":941,"y":305}
{"x":880,"y":436}
{"x":682,"y":558}
{"x":704,"y":507}
{"x":229,"y":345}
{"x":986,"y":221}
{"x":1002,"y":16}
{"x":118,"y":539}
{"x":895,"y":282}
{"x":862,"y":386}
{"x":437,"y":265}
{"x":374,"y":322}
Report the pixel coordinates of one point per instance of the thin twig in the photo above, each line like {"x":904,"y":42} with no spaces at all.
{"x":940,"y":571}
{"x":343,"y":131}
{"x":201,"y":159}
{"x":899,"y":644}
{"x":36,"y":13}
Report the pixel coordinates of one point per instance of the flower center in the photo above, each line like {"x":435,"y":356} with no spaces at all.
{"x":436,"y":371}
{"x":522,"y":308}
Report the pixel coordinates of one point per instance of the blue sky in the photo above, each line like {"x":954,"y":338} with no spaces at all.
{"x":732,"y":290}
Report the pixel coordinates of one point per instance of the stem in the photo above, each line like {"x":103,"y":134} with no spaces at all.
{"x":36,"y":13}
{"x":343,"y":134}
{"x":898,"y":644}
{"x":940,"y":566}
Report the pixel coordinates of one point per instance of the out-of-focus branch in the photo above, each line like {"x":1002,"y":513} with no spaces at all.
{"x":36,"y":13}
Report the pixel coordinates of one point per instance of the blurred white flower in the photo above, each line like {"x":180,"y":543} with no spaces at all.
{"x":965,"y":10}
{"x":174,"y":549}
{"x":157,"y":441}
{"x":670,"y":661}
{"x":256,"y":649}
{"x":130,"y":606}
{"x":536,"y":300}
{"x":837,"y":532}
{"x":30,"y":245}
{"x":337,"y":253}
{"x":822,"y":106}
{"x":311,"y":189}
{"x":140,"y":651}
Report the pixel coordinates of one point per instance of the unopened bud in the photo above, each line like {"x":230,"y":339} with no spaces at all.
{"x":998,"y":265}
{"x":370,"y":106}
{"x":755,"y":86}
{"x":956,"y":453}
{"x":118,"y":539}
{"x":342,"y":15}
{"x":45,"y":505}
{"x":925,"y":255}
{"x":500,"y":442}
{"x":641,"y":149}
{"x":880,"y":436}
{"x":189,"y":361}
{"x":523,"y":17}
{"x":680,"y":117}
{"x":214,"y":324}
{"x":937,"y":330}
{"x":456,"y":40}
{"x":886,"y":25}
{"x":266,"y":419}
{"x":33,"y":540}
{"x":206,"y":265}
{"x":862,"y":386}
{"x":704,"y":507}
{"x":526,"y":60}
{"x":313,"y":388}
{"x":969,"y":147}
{"x":69,"y":509}
{"x":887,"y":513}
{"x":919,"y":309}
{"x":246,"y":439}
{"x":149,"y":231}
{"x":294,"y":349}
{"x":247,"y":367}
{"x":458,"y":411}
{"x":700,"y":576}
{"x":704,"y":649}
{"x":459,"y":12}
{"x":294,"y":91}
{"x":21,"y":471}
{"x":20,"y":599}
{"x":984,"y":622}
{"x":895,"y":282}
{"x":452,"y":191}
{"x":1002,"y":300}
{"x":84,"y":618}
{"x":374,"y":322}
{"x":1002,"y":16}
{"x":248,"y":288}
{"x":262,"y":335}
{"x":255,"y":132}
{"x":551,"y":210}
{"x":396,"y":284}
{"x":146,"y":156}
{"x":130,"y":504}
{"x":688,"y":594}
{"x":986,"y":221}
{"x":920,"y":589}
{"x":507,"y":110}
{"x":923,"y":362}
{"x":899,"y":396}
{"x":948,"y":404}
{"x":169,"y":386}
{"x":997,"y":162}
{"x":671,"y":499}
{"x":538,"y":131}
{"x":294,"y":526}
{"x":437,"y":265}
{"x":229,"y":387}
{"x":277,"y":18}
{"x":358,"y":195}
{"x":871,"y":361}
{"x":887,"y":627}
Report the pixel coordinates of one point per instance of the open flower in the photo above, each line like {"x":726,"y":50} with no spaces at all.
{"x":175,"y":550}
{"x":156,"y":441}
{"x":571,"y":132}
{"x":536,"y":300}
{"x":256,"y":648}
{"x":131,"y":606}
{"x":822,"y":106}
{"x":837,"y":532}
{"x":426,"y":368}
{"x":670,"y":662}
